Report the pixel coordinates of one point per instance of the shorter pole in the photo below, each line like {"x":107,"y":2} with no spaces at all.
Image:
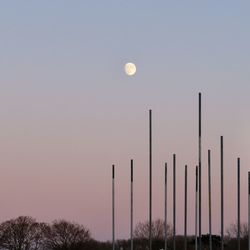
{"x":209,"y":199}
{"x":174,"y":201}
{"x":165,"y":221}
{"x":150,"y":179}
{"x":131,"y":204}
{"x":196,"y":207}
{"x":238,"y":173}
{"x":248,"y":210}
{"x":185,"y":211}
{"x":200,"y":216}
{"x":222,"y":194}
{"x":113,"y":206}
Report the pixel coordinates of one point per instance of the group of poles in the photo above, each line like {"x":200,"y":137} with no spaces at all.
{"x":198,"y":197}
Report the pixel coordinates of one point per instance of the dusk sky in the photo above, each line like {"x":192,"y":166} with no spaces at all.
{"x":68,"y":110}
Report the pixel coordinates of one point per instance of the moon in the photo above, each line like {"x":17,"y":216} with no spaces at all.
{"x":130,"y":69}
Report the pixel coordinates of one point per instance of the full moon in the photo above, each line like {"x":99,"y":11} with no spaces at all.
{"x":130,"y":69}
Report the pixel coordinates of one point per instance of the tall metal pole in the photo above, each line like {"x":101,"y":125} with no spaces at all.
{"x":196,"y":206}
{"x":200,"y":243}
{"x":150,"y":179}
{"x":209,"y":199}
{"x":238,"y":173}
{"x":113,"y":206}
{"x":185,"y":211}
{"x":165,"y":211}
{"x":174,"y":201}
{"x":222,"y":195}
{"x":248,"y":210}
{"x":131,"y":206}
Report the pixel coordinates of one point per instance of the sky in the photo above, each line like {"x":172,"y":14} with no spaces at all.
{"x":68,"y":110}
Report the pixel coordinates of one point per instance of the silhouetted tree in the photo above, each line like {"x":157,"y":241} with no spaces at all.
{"x":64,"y":235}
{"x":22,"y":233}
{"x":232,"y":231}
{"x":141,"y":234}
{"x":142,"y":230}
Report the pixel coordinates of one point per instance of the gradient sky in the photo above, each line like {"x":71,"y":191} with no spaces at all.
{"x":68,"y":111}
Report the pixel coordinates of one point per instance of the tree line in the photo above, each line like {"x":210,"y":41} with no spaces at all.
{"x":25,"y":233}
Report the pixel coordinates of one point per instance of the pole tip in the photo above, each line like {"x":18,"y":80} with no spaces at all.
{"x":249,"y":183}
{"x":113,"y":171}
{"x":221,"y":138}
